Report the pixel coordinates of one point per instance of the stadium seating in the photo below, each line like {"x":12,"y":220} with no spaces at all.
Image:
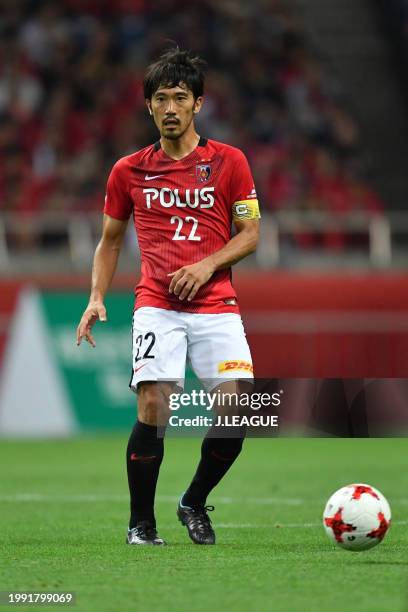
{"x":71,"y":104}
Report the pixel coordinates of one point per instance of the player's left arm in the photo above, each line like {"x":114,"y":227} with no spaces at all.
{"x":186,"y":281}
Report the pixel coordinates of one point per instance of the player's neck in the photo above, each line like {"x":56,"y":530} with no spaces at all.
{"x":183,"y":146}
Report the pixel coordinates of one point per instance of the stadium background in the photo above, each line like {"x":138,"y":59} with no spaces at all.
{"x":315,"y":94}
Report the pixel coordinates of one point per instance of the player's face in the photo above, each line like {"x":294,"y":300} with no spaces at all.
{"x":173,"y":109}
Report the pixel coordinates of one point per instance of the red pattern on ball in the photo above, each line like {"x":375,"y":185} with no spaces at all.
{"x":381,"y":529}
{"x":338,"y":526}
{"x":360,"y":489}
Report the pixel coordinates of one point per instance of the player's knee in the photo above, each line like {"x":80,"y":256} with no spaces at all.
{"x":153,"y":404}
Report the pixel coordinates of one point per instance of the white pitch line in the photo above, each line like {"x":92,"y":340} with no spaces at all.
{"x":38,"y":497}
{"x":266,"y":525}
{"x":287,"y":501}
{"x":284,"y":501}
{"x":282,"y":525}
{"x":254,"y":525}
{"x":80,"y":498}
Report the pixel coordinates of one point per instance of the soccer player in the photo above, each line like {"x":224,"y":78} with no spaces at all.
{"x":183,"y":192}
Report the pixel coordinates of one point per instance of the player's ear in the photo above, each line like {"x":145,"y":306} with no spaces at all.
{"x":149,"y":106}
{"x":198,"y":104}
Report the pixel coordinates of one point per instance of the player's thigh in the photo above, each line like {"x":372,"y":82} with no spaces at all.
{"x":159,"y":347}
{"x":218,"y":349}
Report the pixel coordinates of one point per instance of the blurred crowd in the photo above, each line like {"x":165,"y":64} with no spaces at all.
{"x":396,"y":15}
{"x":71,"y":100}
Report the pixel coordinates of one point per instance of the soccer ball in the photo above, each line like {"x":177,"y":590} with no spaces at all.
{"x":357,"y":517}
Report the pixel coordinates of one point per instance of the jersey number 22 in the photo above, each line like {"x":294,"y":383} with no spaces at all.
{"x":180,"y":222}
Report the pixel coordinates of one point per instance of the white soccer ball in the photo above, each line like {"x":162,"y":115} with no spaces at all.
{"x":357,"y":517}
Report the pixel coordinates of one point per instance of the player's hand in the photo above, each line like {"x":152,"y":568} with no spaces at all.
{"x":187,"y":280}
{"x":94,"y":311}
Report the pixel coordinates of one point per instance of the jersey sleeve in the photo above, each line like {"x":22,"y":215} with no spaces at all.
{"x":244,"y":199}
{"x":118,"y":203}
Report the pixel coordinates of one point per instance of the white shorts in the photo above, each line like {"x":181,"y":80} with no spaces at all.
{"x":165,"y":340}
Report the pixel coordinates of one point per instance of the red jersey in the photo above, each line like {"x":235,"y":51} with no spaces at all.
{"x":182,"y":211}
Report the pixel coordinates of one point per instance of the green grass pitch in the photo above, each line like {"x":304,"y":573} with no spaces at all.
{"x":64,"y":511}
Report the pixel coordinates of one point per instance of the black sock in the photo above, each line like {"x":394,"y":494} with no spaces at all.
{"x":217,"y":456}
{"x":144,"y":456}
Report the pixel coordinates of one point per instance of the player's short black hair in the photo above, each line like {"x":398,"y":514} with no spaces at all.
{"x":172,"y":68}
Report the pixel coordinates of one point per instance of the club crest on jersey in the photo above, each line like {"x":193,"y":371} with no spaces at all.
{"x":203,"y":172}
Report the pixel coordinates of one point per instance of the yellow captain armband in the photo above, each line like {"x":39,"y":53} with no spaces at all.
{"x":246,"y":209}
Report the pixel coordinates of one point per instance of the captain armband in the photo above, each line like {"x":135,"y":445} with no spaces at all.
{"x":245,"y":209}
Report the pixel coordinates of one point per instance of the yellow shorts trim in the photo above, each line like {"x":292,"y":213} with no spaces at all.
{"x":235,"y":365}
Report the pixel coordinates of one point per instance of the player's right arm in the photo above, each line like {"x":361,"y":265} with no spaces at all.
{"x":103,"y":269}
